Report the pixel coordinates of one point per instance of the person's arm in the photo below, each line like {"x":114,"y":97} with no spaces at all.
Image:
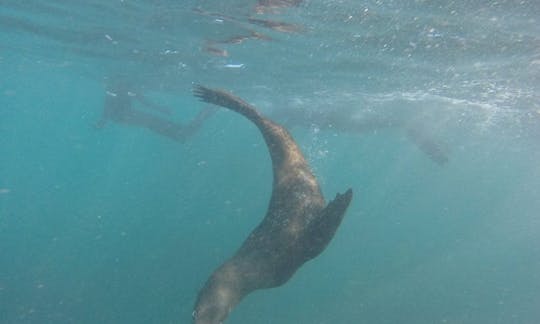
{"x":427,"y":144}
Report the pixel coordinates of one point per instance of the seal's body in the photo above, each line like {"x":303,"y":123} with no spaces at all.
{"x":297,"y":227}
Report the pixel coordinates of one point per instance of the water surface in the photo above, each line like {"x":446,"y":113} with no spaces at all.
{"x":121,"y":225}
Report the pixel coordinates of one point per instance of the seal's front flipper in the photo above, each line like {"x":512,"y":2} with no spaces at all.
{"x":323,"y":228}
{"x":333,"y":213}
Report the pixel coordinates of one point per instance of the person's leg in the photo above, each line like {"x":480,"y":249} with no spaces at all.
{"x":156,"y":124}
{"x":191,"y":128}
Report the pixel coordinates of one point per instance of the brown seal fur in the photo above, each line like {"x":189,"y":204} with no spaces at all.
{"x":297,"y":227}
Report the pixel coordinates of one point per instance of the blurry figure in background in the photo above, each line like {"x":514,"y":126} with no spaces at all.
{"x":118,"y":108}
{"x":354,"y":121}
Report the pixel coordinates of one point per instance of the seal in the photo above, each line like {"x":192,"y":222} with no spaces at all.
{"x":297,"y":227}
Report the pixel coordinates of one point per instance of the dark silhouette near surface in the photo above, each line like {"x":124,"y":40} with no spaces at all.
{"x":297,"y":227}
{"x":265,"y":6}
{"x":118,"y":108}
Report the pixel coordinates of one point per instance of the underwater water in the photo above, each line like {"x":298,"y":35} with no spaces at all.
{"x":429,"y":110}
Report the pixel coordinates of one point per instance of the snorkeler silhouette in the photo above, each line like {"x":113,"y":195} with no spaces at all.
{"x":355,"y":121}
{"x":118,"y":108}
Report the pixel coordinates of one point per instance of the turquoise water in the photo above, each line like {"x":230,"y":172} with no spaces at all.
{"x":122,"y":225}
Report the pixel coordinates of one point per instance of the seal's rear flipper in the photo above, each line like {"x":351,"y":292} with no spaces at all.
{"x":323,"y":228}
{"x":226,"y":100}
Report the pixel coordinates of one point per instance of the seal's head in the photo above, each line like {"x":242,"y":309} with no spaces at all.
{"x":216,"y":300}
{"x":210,"y":310}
